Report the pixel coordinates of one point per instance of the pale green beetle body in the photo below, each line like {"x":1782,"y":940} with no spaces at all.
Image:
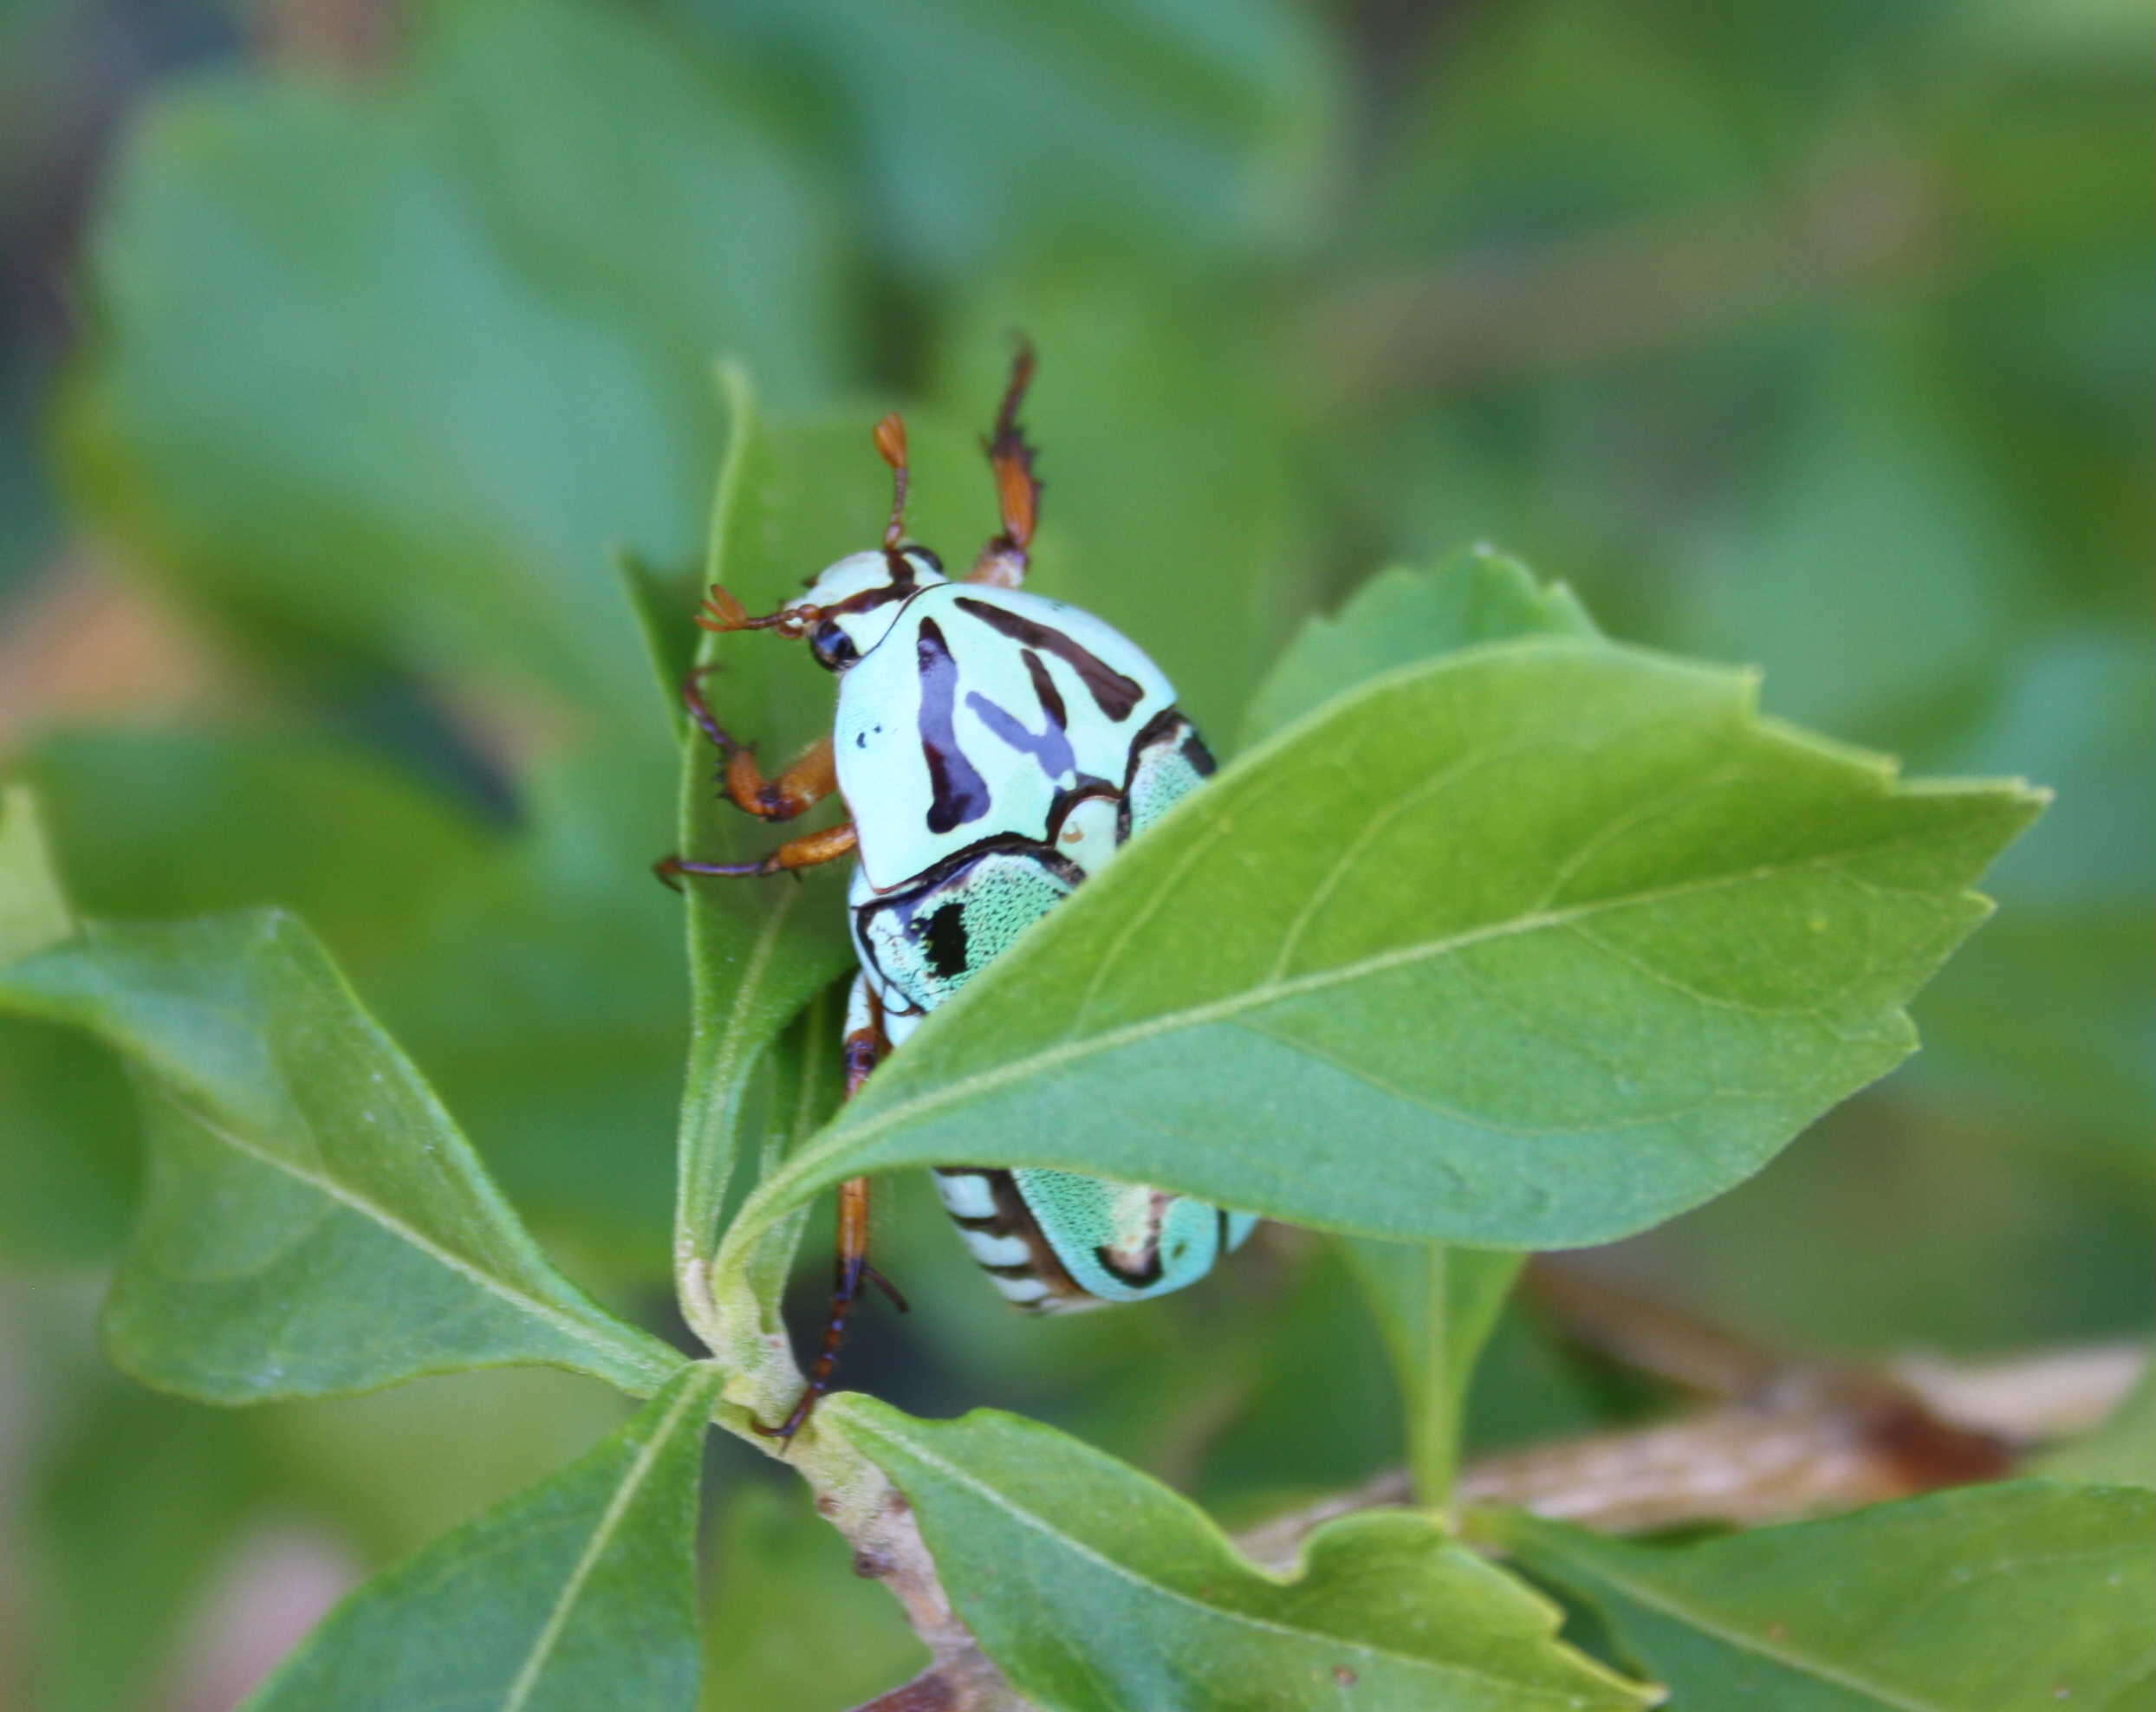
{"x":995,"y":749}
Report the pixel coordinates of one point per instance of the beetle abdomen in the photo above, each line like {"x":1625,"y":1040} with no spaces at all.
{"x":1005,"y":1238}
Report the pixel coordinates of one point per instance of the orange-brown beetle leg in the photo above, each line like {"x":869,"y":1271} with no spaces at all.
{"x":1002,"y":561}
{"x":799,"y":788}
{"x":807,"y":851}
{"x":865,"y":1049}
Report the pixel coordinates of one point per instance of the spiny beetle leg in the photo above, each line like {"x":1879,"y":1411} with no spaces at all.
{"x":1002,"y":561}
{"x":866,"y":1046}
{"x":811,"y":778}
{"x":851,"y":1270}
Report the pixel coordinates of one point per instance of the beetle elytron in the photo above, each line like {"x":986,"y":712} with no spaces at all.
{"x":993,"y":747}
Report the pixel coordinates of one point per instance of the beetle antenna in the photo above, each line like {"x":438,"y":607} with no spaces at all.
{"x":721,"y":613}
{"x":891,"y":447}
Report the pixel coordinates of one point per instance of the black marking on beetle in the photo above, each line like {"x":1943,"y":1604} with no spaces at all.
{"x":1149,"y":1271}
{"x":943,"y":938}
{"x":1113,"y":693}
{"x":960,"y":793}
{"x":909,"y":898}
{"x":1137,"y":1277}
{"x":1163,"y":728}
{"x":1050,"y":746}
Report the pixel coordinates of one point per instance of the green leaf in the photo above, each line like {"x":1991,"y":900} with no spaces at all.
{"x":313,"y":1220}
{"x":1531,"y":946}
{"x":979,"y":131}
{"x":1153,"y":1608}
{"x":2029,"y":1595}
{"x":67,"y":1151}
{"x":159,"y":824}
{"x":68,"y":1156}
{"x":757,"y":949}
{"x":1436,"y":1304}
{"x":580,"y":1593}
{"x":1399,"y":616}
{"x":392,"y":366}
{"x":34,"y":912}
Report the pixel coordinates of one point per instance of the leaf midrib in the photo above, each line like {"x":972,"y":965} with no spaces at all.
{"x":527,"y":1678}
{"x":852,"y":1137}
{"x":1669,"y":1605}
{"x":591,"y":1337}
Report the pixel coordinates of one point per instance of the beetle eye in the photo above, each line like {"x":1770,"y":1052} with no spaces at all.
{"x":833,"y":647}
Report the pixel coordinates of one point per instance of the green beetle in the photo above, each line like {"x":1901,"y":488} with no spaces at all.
{"x":994,"y":748}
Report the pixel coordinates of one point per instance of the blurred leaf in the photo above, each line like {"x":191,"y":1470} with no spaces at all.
{"x":1870,"y":567}
{"x":2122,"y":1449}
{"x":392,"y":367}
{"x":154,"y":824}
{"x":1541,"y":120}
{"x":2002,"y":1597}
{"x":301,"y":1176}
{"x":67,"y":1150}
{"x":544,"y":996}
{"x":791,"y":1623}
{"x":1401,"y":616}
{"x":67,"y":1157}
{"x":2058,"y":1013}
{"x":1154,"y":1608}
{"x":135,"y":1500}
{"x":34,"y":912}
{"x":1562,"y":936}
{"x":391,"y":1469}
{"x":1436,"y":1304}
{"x":1529,"y":1385}
{"x":1291,"y":1398}
{"x":979,"y":133}
{"x":580,"y":1593}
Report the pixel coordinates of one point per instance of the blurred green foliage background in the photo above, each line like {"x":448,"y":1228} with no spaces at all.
{"x":342,"y":345}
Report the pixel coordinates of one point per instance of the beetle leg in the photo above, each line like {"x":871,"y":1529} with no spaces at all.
{"x":865,"y":1048}
{"x":807,"y":851}
{"x":811,"y":778}
{"x":1002,"y":561}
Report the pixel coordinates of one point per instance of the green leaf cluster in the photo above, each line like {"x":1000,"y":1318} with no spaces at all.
{"x":346,"y":1031}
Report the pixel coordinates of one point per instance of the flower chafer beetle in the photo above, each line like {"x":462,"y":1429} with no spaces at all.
{"x":993,"y":747}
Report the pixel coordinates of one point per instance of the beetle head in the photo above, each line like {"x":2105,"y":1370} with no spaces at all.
{"x":850,"y":606}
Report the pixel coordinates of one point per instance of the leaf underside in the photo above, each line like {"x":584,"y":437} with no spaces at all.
{"x":1531,"y":946}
